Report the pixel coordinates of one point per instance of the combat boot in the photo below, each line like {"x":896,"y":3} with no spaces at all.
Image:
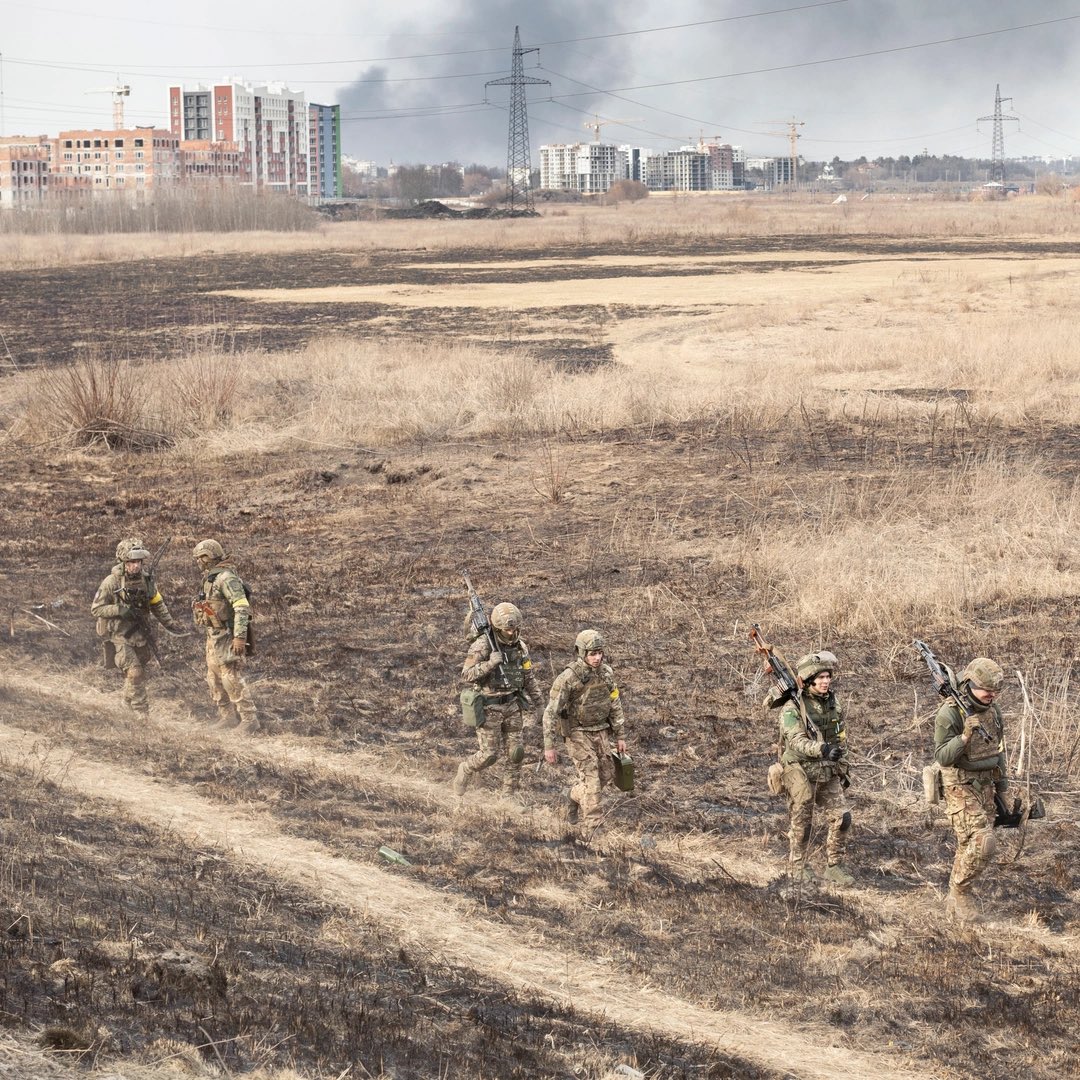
{"x":249,"y":726}
{"x":572,"y":808}
{"x":961,"y":907}
{"x":801,"y":874}
{"x":838,"y":874}
{"x":227,"y":719}
{"x":461,"y":780}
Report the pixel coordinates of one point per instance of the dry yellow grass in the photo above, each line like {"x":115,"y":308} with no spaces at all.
{"x":656,"y":218}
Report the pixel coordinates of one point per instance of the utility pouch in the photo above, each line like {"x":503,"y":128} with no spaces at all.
{"x":624,"y":771}
{"x":932,"y":784}
{"x":472,"y":707}
{"x":108,"y":655}
{"x":776,"y":778}
{"x":562,"y":725}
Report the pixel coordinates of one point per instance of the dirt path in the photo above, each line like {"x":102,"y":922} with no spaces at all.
{"x":455,"y":929}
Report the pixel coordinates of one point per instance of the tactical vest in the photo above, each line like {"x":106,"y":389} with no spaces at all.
{"x":590,"y":708}
{"x":979,"y":764}
{"x":135,"y":592}
{"x":210,"y":609}
{"x":827,"y":718}
{"x":509,"y":677}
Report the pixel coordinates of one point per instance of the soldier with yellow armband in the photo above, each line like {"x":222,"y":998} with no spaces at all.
{"x":223,"y":610}
{"x":584,"y":708}
{"x":499,"y":685}
{"x":121,"y":606}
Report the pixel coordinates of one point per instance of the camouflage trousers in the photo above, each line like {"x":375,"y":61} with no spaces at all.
{"x":972,"y":813}
{"x":499,"y":738}
{"x":225,"y":677}
{"x":803,"y":795}
{"x":591,"y":755}
{"x":134,"y":661}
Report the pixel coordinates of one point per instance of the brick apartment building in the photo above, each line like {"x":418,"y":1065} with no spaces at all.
{"x":24,"y":171}
{"x":133,"y":160}
{"x":268,"y":125}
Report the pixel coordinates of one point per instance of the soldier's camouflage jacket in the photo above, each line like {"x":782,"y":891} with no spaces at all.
{"x":586,"y":698}
{"x":121,"y":604}
{"x":979,"y":763}
{"x":222,"y":607}
{"x":798,"y":744}
{"x":499,"y":683}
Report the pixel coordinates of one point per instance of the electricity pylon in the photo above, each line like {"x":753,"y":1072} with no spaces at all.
{"x":997,"y":154}
{"x":518,"y":162}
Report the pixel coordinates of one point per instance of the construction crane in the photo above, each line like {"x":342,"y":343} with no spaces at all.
{"x":119,"y":92}
{"x":792,"y":126}
{"x":598,"y":122}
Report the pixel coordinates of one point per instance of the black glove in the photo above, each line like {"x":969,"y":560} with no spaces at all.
{"x":831,"y":751}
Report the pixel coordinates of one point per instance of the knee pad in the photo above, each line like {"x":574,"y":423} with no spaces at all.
{"x":517,"y":755}
{"x":986,"y":844}
{"x":489,"y":761}
{"x":845,"y":821}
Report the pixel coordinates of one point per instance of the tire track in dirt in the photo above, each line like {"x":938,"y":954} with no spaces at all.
{"x":455,"y":929}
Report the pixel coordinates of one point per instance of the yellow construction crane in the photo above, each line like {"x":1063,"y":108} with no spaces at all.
{"x":119,"y":92}
{"x":598,"y":122}
{"x":792,"y":126}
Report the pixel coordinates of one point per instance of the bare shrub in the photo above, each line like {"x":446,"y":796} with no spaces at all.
{"x":95,"y":403}
{"x":205,"y":387}
{"x":626,"y":191}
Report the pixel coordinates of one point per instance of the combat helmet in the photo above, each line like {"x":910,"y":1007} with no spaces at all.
{"x":208,"y":547}
{"x":812,"y":665}
{"x":984,"y":674}
{"x":506,"y":619}
{"x":588,"y":641}
{"x":131,"y":549}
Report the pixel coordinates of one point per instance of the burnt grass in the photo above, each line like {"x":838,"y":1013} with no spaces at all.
{"x":355,"y":568}
{"x":159,"y":308}
{"x":355,"y":564}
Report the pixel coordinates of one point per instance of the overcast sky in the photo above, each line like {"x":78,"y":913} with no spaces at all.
{"x":410,"y":75}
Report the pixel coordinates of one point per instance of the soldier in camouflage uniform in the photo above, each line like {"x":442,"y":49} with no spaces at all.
{"x":223,"y":609}
{"x":505,"y":686}
{"x":971,"y":753}
{"x":813,"y":752}
{"x":121,"y":606}
{"x":584,"y":708}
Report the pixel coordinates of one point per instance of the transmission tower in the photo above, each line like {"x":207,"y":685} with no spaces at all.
{"x":997,"y":156}
{"x":518,"y":163}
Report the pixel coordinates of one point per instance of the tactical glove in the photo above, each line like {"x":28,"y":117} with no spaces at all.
{"x":831,"y":751}
{"x":239,"y":646}
{"x":494,"y":660}
{"x":971,"y":725}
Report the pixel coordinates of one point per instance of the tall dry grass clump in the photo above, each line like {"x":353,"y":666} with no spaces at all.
{"x":899,"y":558}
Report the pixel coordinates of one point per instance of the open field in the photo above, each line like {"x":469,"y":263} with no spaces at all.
{"x":664,"y":421}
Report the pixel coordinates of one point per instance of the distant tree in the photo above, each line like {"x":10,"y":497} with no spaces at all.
{"x":413,"y":184}
{"x":626,"y":191}
{"x":1050,"y":184}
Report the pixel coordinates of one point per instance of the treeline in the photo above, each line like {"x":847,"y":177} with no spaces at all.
{"x":180,"y":210}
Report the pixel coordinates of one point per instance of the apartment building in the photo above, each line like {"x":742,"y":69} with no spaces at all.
{"x":324,"y":152}
{"x":131,"y":160}
{"x":678,"y":170}
{"x":204,"y":162}
{"x":24,"y":171}
{"x":269,"y":125}
{"x":590,"y":168}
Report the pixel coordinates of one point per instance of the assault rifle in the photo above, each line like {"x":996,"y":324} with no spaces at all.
{"x":946,"y":683}
{"x":481,"y":624}
{"x":788,"y":685}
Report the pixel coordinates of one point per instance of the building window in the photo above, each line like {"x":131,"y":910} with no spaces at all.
{"x":138,"y":142}
{"x":138,"y":153}
{"x":118,"y":142}
{"x":67,"y":144}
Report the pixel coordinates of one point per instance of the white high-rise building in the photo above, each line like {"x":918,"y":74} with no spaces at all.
{"x":590,"y":168}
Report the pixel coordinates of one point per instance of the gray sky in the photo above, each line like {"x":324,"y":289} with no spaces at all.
{"x":410,"y":76}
